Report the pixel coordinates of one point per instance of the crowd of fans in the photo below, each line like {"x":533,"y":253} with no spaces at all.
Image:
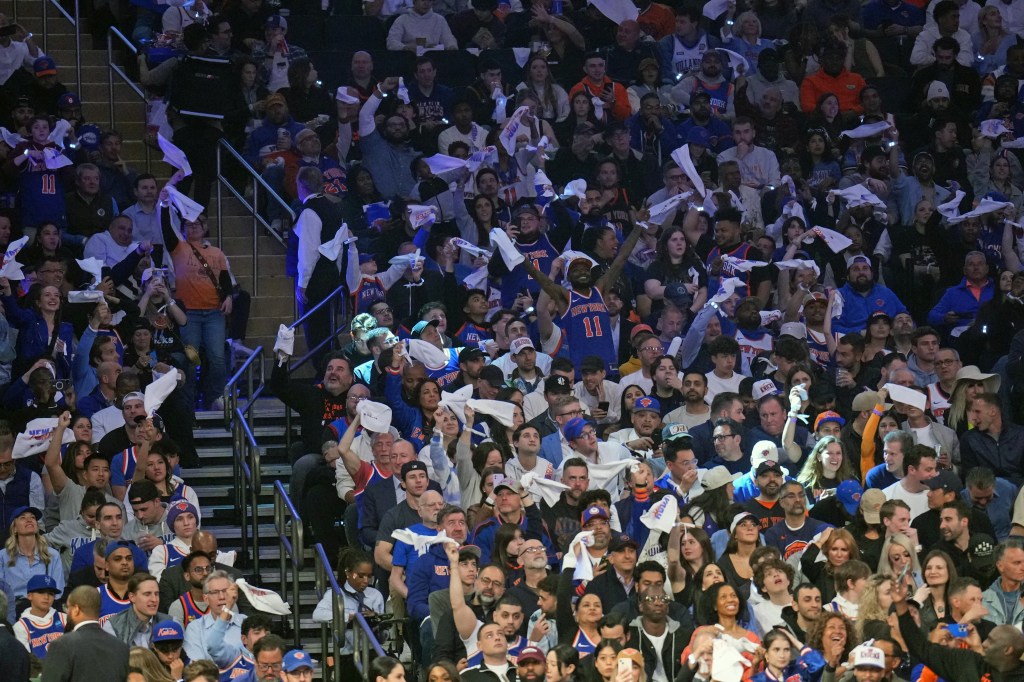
{"x":685,"y":342}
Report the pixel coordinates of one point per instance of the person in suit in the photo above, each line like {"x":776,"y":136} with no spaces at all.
{"x":13,"y":656}
{"x":86,"y":653}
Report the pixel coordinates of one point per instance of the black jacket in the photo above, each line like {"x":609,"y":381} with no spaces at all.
{"x":481,"y":673}
{"x":316,"y":407}
{"x":609,"y":589}
{"x":676,"y":640}
{"x":86,"y":655}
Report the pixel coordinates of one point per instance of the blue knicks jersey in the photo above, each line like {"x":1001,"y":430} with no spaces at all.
{"x":122,"y":467}
{"x":448,"y":372}
{"x":582,"y":644}
{"x":541,"y":253}
{"x":239,"y":667}
{"x":110,"y":605}
{"x":586,"y":327}
{"x":41,"y":194}
{"x":470,"y":334}
{"x":369,"y":291}
{"x":742,"y":251}
{"x":40,"y":636}
{"x":190,"y":609}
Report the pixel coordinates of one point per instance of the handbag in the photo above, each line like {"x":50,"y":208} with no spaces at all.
{"x":209,"y":272}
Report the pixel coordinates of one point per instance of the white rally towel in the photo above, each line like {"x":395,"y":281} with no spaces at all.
{"x":507,"y":137}
{"x":59,"y":133}
{"x":617,"y":11}
{"x":542,"y":185}
{"x":715,"y":8}
{"x":662,"y":516}
{"x":408,"y":260}
{"x":93,"y":266}
{"x":737,"y":62}
{"x":866,"y":130}
{"x":37,"y":436}
{"x":576,"y":556}
{"x":470,"y":247}
{"x":856,"y":195}
{"x":421,"y":543}
{"x":521,"y":54}
{"x":509,"y":253}
{"x":476,"y":279}
{"x":157,"y":391}
{"x":188,"y":209}
{"x":907,"y":396}
{"x":442,"y":163}
{"x":422,"y":216}
{"x":477,"y":159}
{"x":985,"y":207}
{"x":342,"y":96}
{"x":263,"y":600}
{"x":90,"y":296}
{"x":836,"y":242}
{"x":951,"y":208}
{"x":727,"y":288}
{"x":796,"y":263}
{"x":12,"y":140}
{"x":1013,"y":144}
{"x":427,"y":353}
{"x":538,"y":486}
{"x":403,"y":92}
{"x":994,"y":129}
{"x":456,"y":401}
{"x":375,"y":417}
{"x":742,"y":264}
{"x":54,"y":159}
{"x":501,"y":410}
{"x":727,"y":663}
{"x":682,"y":157}
{"x":602,"y":474}
{"x":285,"y":341}
{"x":575,"y":188}
{"x":332,"y":250}
{"x":9,"y":266}
{"x":173,"y":156}
{"x":662,"y":210}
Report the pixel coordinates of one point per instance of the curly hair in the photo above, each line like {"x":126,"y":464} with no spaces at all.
{"x":707,"y":607}
{"x":870,"y":607}
{"x":816,"y":635}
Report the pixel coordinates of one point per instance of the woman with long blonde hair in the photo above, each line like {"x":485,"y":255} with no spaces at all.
{"x":897,"y":553}
{"x":875,"y":601}
{"x":26,"y":554}
{"x":838,"y":546}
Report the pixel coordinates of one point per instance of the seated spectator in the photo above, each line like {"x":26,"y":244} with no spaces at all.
{"x":835,"y":78}
{"x":420,"y":27}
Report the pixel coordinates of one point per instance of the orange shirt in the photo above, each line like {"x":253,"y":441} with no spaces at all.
{"x":620,"y":110}
{"x":194,"y":287}
{"x":657,"y":20}
{"x":846,"y":87}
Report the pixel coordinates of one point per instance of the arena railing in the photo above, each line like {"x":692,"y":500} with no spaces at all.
{"x":290,"y":553}
{"x":332,"y":635}
{"x":259,"y":188}
{"x":245,"y":451}
{"x":123,"y":43}
{"x":366,"y":646}
{"x":335,"y":301}
{"x":74,"y":17}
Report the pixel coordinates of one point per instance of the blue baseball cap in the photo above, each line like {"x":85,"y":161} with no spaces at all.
{"x":42,"y":583}
{"x":421,"y":325}
{"x":365,"y":258}
{"x":848,"y":493}
{"x":295,"y":659}
{"x":573,"y":428}
{"x":44,"y":66}
{"x":69,"y":100}
{"x":168,"y":631}
{"x":698,"y":135}
{"x":593,"y":512}
{"x":646,"y":403}
{"x":119,"y":544}
{"x":22,"y":510}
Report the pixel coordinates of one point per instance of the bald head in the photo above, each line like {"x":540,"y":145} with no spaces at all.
{"x":1003,"y":647}
{"x":87,"y":599}
{"x":108,"y":373}
{"x":206,"y":542}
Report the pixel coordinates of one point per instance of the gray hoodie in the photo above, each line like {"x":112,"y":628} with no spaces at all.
{"x":68,"y":536}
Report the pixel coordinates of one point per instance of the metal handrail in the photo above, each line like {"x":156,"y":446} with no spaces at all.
{"x":290,"y":539}
{"x":332,"y":633}
{"x":253,"y":207}
{"x":113,"y":68}
{"x":246,"y":463}
{"x":334,"y":300}
{"x":75,"y":21}
{"x":364,"y":642}
{"x":251,"y":370}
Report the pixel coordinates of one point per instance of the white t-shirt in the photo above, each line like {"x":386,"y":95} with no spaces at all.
{"x":918,"y":501}
{"x":659,"y":644}
{"x":717,"y":385}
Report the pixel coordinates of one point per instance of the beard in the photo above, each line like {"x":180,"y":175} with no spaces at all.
{"x":861,"y":285}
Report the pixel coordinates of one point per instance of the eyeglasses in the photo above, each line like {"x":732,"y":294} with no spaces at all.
{"x":268,"y":667}
{"x":945,"y":363}
{"x":651,"y":349}
{"x":588,"y":433}
{"x":571,"y":413}
{"x":487,"y":582}
{"x":201,"y":569}
{"x":660,"y":599}
{"x":722,"y":436}
{"x":532,"y":550}
{"x":217,"y":593}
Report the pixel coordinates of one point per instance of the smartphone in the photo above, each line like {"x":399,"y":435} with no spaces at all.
{"x":625,"y":665}
{"x":958,"y":631}
{"x":602,"y":405}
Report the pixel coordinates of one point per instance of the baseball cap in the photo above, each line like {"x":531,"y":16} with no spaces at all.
{"x":556,"y":384}
{"x":716,"y":477}
{"x":471,"y":353}
{"x":493,"y":376}
{"x":591,"y":364}
{"x":945,"y":480}
{"x":763,"y":451}
{"x":168,"y":631}
{"x":573,"y":428}
{"x":867,"y":400}
{"x":504,"y":482}
{"x":365,"y":258}
{"x":868,"y":657}
{"x":524,"y":209}
{"x":673,"y":431}
{"x":276,"y":21}
{"x":134,"y":395}
{"x":142,"y":492}
{"x":69,"y":100}
{"x":871,"y":501}
{"x":295,"y":659}
{"x":740,"y":518}
{"x":766,"y":467}
{"x":848,"y":493}
{"x":640,"y":328}
{"x":632,"y":655}
{"x":23,"y":509}
{"x":698,"y":135}
{"x":648,"y":61}
{"x":42,"y":583}
{"x":471,"y":550}
{"x":275,"y":99}
{"x":813,"y":296}
{"x":303,"y":134}
{"x":763,"y":388}
{"x":178,"y":508}
{"x":797,"y":330}
{"x":593,"y":512}
{"x":519,"y":344}
{"x":646,"y":403}
{"x":936,"y":89}
{"x":829,"y":416}
{"x":119,"y":544}
{"x":879,"y":315}
{"x":621,"y":541}
{"x":44,"y":66}
{"x":850,"y":262}
{"x":414,"y":465}
{"x":530,"y":653}
{"x":423,"y":324}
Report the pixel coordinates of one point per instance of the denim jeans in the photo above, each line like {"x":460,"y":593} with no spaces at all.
{"x":205,"y":330}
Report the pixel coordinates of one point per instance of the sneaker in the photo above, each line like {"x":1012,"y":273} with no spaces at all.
{"x":217,"y":405}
